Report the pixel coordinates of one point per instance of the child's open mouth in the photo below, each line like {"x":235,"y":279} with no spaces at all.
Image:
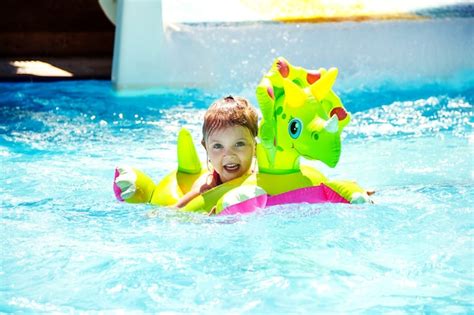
{"x":232,"y":167}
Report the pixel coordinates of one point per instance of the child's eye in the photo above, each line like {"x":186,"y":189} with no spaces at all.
{"x":240,"y":144}
{"x":217,"y":146}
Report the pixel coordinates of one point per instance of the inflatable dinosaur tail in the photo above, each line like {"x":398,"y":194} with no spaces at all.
{"x":188,"y":159}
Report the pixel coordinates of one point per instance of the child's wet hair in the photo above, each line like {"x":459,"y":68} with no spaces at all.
{"x":227,"y":112}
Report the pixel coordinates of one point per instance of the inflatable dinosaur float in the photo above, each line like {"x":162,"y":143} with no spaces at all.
{"x":302,"y":117}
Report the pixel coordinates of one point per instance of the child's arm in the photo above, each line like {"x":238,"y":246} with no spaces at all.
{"x":190,"y":195}
{"x":201,"y":185}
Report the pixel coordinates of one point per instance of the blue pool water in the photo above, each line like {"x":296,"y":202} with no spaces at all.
{"x":69,"y":246}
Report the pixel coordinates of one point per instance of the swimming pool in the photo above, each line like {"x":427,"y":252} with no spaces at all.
{"x":69,"y":246}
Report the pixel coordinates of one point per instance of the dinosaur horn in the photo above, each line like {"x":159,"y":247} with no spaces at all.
{"x":332,"y":125}
{"x":321,"y":88}
{"x":295,"y":96}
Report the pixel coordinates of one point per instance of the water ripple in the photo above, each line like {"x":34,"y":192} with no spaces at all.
{"x":74,"y":248}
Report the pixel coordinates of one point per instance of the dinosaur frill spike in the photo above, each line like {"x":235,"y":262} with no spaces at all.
{"x":188,"y":159}
{"x":322,"y":87}
{"x":283,"y":67}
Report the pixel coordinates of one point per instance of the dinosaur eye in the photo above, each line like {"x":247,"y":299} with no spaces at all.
{"x":295,"y":127}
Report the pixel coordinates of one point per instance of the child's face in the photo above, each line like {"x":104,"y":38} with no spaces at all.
{"x":231,"y":150}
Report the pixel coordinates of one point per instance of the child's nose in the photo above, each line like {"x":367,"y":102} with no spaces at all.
{"x":229,"y":151}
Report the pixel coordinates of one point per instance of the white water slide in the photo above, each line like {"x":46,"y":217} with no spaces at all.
{"x":229,"y":44}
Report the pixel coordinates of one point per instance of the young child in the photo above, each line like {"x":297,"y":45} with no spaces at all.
{"x":229,"y":130}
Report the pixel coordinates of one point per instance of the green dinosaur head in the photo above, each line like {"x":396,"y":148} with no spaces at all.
{"x":301,"y":114}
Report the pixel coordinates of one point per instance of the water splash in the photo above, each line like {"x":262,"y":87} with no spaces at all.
{"x":415,"y":118}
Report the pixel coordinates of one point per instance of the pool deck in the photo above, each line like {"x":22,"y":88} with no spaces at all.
{"x":54,"y":39}
{"x":55,"y":68}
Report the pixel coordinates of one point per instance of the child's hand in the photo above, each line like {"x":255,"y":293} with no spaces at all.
{"x":213,"y":211}
{"x":125,"y":182}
